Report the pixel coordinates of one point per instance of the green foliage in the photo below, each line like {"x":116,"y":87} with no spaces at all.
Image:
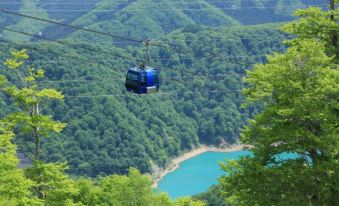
{"x":186,"y":201}
{"x":133,"y":189}
{"x":28,"y":97}
{"x":47,"y":183}
{"x":109,"y":134}
{"x":14,"y":186}
{"x":212,"y":197}
{"x":316,"y":24}
{"x":147,"y":18}
{"x":51,"y":184}
{"x":122,"y":190}
{"x":300,"y":92}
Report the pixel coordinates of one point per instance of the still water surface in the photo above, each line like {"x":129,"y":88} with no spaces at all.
{"x":196,"y":175}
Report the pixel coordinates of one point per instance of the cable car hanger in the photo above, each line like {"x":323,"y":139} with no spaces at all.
{"x":144,"y":79}
{"x":146,"y":60}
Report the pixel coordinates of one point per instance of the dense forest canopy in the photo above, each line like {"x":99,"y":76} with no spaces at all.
{"x":201,"y":49}
{"x":145,"y":18}
{"x":107,"y":134}
{"x":47,"y":183}
{"x":110,"y":133}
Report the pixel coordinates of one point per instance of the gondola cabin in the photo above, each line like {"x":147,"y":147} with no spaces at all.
{"x":142,"y":81}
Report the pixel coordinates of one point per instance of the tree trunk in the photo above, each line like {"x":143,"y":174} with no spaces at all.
{"x":334,"y":35}
{"x":37,"y":144}
{"x":37,"y":133}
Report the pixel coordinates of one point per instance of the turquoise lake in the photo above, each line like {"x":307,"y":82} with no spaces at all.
{"x":196,"y":175}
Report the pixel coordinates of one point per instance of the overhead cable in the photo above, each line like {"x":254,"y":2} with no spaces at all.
{"x":99,"y":43}
{"x":123,"y":3}
{"x":71,"y":26}
{"x":176,"y":9}
{"x":211,"y":56}
{"x":67,"y":44}
{"x":123,"y":79}
{"x":155,"y":94}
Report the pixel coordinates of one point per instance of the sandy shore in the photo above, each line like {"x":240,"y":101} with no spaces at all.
{"x":174,"y":163}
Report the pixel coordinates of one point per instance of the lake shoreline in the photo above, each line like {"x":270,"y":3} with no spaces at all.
{"x":175,"y":163}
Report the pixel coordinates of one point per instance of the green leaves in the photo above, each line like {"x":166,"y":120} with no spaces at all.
{"x":285,"y":74}
{"x":49,"y":94}
{"x":34,"y":74}
{"x":128,"y":190}
{"x":13,"y":64}
{"x":14,"y":186}
{"x":297,"y":91}
{"x":186,"y":201}
{"x":20,"y":55}
{"x":51,"y":184}
{"x":28,"y":123}
{"x":16,"y":61}
{"x":29,"y":98}
{"x":47,"y":183}
{"x":3,"y":80}
{"x":300,"y":91}
{"x":315,"y":24}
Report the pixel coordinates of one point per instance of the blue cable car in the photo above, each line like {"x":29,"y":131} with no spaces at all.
{"x":142,"y":81}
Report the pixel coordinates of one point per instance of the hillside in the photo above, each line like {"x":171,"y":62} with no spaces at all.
{"x":205,"y":51}
{"x":232,"y":77}
{"x":147,"y":18}
{"x":200,"y":101}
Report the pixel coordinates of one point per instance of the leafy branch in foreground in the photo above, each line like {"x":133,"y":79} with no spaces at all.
{"x":14,"y":186}
{"x":295,"y":139}
{"x":28,"y":97}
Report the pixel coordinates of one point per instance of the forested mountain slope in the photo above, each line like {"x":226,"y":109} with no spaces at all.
{"x":291,"y":98}
{"x":110,"y":130}
{"x":147,"y":18}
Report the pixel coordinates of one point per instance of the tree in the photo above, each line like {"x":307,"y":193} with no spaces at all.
{"x":134,"y":189}
{"x":124,"y":190}
{"x":29,"y":97}
{"x":212,"y":197}
{"x":14,"y":186}
{"x":187,"y":201}
{"x":299,"y":90}
{"x":319,"y":25}
{"x":52,"y":184}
